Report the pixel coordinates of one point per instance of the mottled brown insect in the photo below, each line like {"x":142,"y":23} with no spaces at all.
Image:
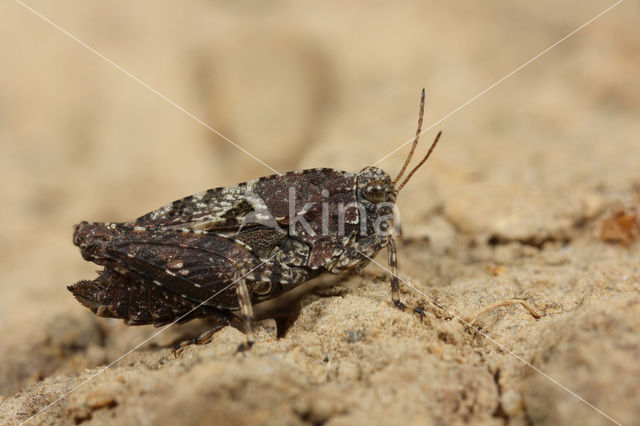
{"x":225,"y":249}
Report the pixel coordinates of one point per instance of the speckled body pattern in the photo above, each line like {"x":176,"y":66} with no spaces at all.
{"x":224,"y":249}
{"x":167,"y":262}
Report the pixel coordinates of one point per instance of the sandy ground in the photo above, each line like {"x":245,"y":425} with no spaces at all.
{"x":509,"y":207}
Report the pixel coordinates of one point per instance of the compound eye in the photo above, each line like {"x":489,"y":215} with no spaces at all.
{"x":375,"y":192}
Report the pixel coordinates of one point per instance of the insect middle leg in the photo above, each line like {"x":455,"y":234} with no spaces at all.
{"x":279,"y":277}
{"x":246,"y":309}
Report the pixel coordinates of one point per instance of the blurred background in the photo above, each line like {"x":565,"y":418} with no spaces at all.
{"x":301,"y":84}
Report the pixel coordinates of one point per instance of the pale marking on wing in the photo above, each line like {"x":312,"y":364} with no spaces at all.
{"x":176,"y":264}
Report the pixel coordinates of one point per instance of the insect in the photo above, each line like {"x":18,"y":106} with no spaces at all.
{"x":225,"y":249}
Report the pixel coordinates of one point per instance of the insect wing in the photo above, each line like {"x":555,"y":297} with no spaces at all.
{"x":271,"y":200}
{"x":213,"y":209}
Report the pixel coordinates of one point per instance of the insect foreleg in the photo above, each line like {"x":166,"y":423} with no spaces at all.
{"x":395,"y":281}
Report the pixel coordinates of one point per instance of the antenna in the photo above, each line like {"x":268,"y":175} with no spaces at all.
{"x":415,"y":140}
{"x":433,"y":145}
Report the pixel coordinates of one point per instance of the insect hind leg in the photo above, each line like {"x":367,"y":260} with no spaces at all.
{"x":246,"y":311}
{"x":202,"y":339}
